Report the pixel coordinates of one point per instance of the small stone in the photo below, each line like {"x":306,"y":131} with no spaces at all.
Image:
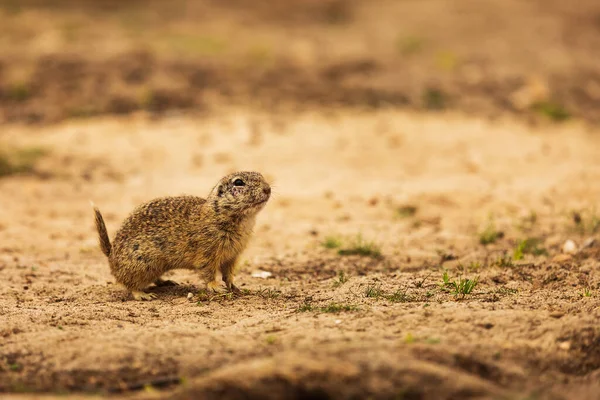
{"x":190,"y":295}
{"x":557,"y":314}
{"x":261,"y":274}
{"x":338,"y":321}
{"x":569,"y":247}
{"x":564,"y":345}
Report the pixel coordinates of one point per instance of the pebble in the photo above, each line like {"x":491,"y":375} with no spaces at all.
{"x":190,"y":295}
{"x":261,"y":274}
{"x":569,"y":247}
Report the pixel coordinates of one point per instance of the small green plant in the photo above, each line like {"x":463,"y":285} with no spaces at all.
{"x":434,"y":99}
{"x":587,"y":292}
{"x":504,"y":262}
{"x":14,"y":367}
{"x":506,"y":291}
{"x":332,"y":242}
{"x":374,"y":292}
{"x":447,"y":60}
{"x":465,"y":286}
{"x":268,"y":293}
{"x":336,"y":308}
{"x":271,"y":339}
{"x":490,"y":234}
{"x":400,"y":296}
{"x":554,"y":111}
{"x":18,"y":91}
{"x":409,"y":45}
{"x":342,"y":278}
{"x":529,"y":246}
{"x":461,"y":287}
{"x":20,"y":161}
{"x":407,"y":211}
{"x":305,"y":307}
{"x":361,"y":247}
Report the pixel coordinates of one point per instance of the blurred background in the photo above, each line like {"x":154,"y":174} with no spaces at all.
{"x":81,"y":58}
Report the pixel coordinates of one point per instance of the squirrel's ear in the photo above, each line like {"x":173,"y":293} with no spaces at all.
{"x":220,"y":190}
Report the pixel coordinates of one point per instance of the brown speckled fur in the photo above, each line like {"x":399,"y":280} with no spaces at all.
{"x":186,"y":232}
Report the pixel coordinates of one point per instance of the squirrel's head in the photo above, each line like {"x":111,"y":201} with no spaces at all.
{"x":241,"y":193}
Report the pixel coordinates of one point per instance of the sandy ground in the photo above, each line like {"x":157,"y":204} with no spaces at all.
{"x":386,"y":328}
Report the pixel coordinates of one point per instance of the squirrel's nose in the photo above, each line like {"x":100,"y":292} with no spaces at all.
{"x":267,"y":191}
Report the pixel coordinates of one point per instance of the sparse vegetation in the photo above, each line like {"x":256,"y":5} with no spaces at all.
{"x":407,"y":211}
{"x":447,"y":60}
{"x":271,"y":339}
{"x":554,"y":111}
{"x":306,"y":306}
{"x":374,"y":292}
{"x":342,"y":278}
{"x":529,"y":246}
{"x":268,"y":293}
{"x":434,"y":99}
{"x":332,"y":242}
{"x":504,"y":261}
{"x":20,"y":160}
{"x":399,"y":296}
{"x":461,"y":287}
{"x":490,"y":234}
{"x":361,"y":247}
{"x":587,"y":292}
{"x":336,"y":308}
{"x":409,"y":45}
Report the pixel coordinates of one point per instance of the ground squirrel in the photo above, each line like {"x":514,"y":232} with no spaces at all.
{"x":186,"y":232}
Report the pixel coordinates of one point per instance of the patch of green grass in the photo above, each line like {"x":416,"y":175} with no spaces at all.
{"x":15,"y":367}
{"x":342,"y":278}
{"x":587,"y":292}
{"x":504,"y":261}
{"x":409,"y":45}
{"x":406,"y":211}
{"x":195,"y":45}
{"x":446,"y":60}
{"x":434,"y":99}
{"x":586,"y":222}
{"x":529,"y":246}
{"x":374,"y":292}
{"x":506,"y":291}
{"x":332,"y":242}
{"x":336,"y":308}
{"x":361,"y":247}
{"x":20,"y":161}
{"x":400,"y":296}
{"x":461,"y":287}
{"x":18,"y":91}
{"x":268,"y":293}
{"x":490,"y":234}
{"x":552,"y":110}
{"x":271,"y":339}
{"x":305,"y":307}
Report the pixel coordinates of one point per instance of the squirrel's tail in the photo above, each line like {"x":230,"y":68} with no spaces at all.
{"x":102,"y":233}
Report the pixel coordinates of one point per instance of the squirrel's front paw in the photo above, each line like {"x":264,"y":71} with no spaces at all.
{"x":215,"y":286}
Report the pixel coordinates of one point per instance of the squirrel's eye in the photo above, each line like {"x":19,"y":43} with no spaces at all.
{"x":238,"y":182}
